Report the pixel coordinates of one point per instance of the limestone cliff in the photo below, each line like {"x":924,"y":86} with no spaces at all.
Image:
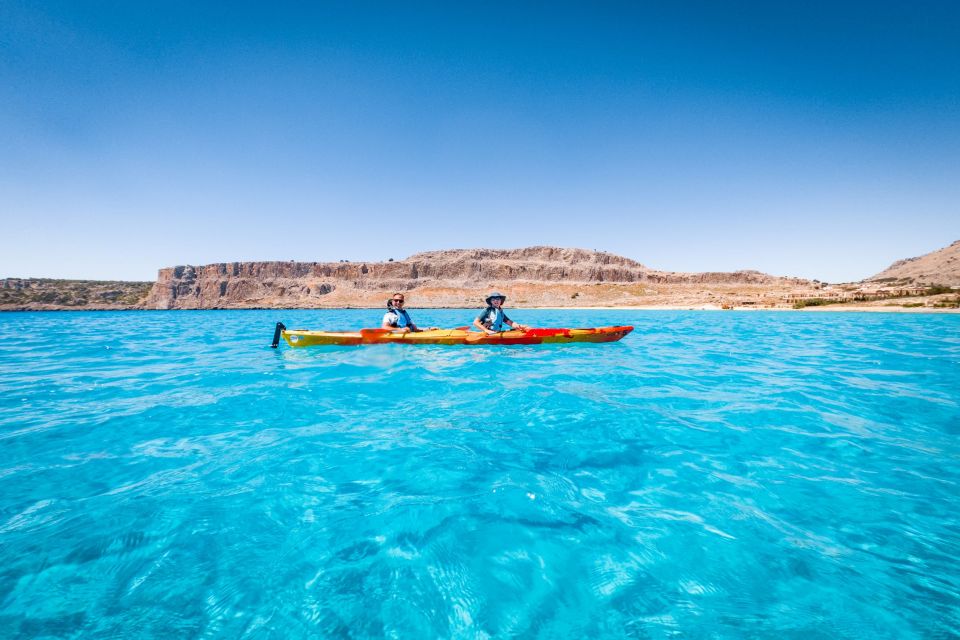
{"x":533,"y":276}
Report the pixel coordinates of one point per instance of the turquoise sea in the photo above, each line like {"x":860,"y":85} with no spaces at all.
{"x":713,"y":475}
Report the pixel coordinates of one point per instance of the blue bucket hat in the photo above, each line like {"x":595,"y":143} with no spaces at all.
{"x":496,"y":294}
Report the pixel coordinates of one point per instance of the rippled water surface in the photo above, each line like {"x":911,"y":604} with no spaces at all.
{"x":713,"y":475}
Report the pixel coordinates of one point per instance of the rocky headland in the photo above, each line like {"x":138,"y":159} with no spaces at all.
{"x":531,"y":277}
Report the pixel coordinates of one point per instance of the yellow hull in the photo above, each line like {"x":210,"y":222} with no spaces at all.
{"x":304,"y":338}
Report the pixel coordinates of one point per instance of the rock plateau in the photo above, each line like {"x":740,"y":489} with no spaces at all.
{"x":533,"y":276}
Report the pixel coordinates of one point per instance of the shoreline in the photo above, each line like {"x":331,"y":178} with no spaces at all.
{"x":677,"y":307}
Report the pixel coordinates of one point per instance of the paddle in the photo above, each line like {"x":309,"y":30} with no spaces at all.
{"x":477,"y":337}
{"x":373,"y":334}
{"x":280,"y":328}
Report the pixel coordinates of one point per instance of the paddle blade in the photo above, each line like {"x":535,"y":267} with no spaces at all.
{"x":374,"y":333}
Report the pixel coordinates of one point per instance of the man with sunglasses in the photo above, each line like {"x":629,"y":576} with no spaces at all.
{"x":397,"y":318}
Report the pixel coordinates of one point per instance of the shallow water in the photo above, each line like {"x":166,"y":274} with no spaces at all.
{"x":713,"y":475}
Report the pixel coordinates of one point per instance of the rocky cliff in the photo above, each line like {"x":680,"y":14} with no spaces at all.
{"x":941,"y":267}
{"x":533,"y":276}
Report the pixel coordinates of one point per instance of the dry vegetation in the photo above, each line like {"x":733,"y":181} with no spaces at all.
{"x":49,"y":293}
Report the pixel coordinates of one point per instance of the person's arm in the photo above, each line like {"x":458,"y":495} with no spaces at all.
{"x":515,"y":325}
{"x":479,"y":325}
{"x":410,"y":326}
{"x":388,"y":324}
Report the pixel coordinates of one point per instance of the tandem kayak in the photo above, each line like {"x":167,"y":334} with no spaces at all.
{"x":304,"y":338}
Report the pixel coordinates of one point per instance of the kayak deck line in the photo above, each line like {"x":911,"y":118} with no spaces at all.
{"x":307,"y":338}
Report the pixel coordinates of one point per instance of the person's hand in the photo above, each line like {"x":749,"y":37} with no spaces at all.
{"x":490,"y":332}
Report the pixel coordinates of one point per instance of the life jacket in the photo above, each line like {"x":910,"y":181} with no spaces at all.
{"x":497,"y":323}
{"x":402,"y":317}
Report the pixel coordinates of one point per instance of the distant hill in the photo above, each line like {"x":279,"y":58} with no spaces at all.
{"x":941,"y":267}
{"x":50,"y":293}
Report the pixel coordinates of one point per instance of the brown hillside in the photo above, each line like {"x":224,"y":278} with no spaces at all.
{"x":51,"y":293}
{"x":532,"y":276}
{"x":938,"y":267}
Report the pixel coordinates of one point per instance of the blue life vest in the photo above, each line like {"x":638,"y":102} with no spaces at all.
{"x":403,"y":318}
{"x":498,"y":318}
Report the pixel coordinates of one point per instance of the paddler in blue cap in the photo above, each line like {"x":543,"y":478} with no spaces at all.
{"x":493,"y":319}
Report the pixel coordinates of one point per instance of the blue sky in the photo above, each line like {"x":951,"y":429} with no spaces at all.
{"x":812,"y":139}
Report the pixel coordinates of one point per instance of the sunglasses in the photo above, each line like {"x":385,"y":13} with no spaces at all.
{"x":398,"y":299}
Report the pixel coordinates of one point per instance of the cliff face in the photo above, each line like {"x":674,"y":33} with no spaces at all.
{"x":532,"y":276}
{"x":938,"y":267}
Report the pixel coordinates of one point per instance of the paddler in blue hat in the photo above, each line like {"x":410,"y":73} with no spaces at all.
{"x":493,"y":319}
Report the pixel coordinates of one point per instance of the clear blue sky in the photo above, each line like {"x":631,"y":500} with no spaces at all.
{"x":815,"y":139}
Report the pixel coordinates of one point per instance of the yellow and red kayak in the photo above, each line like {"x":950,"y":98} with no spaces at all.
{"x":304,"y":338}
